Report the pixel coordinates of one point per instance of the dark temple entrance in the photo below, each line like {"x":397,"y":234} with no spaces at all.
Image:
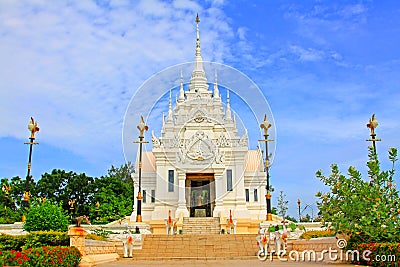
{"x":201,"y":194}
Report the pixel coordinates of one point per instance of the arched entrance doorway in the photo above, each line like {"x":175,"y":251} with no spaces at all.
{"x":200,"y":194}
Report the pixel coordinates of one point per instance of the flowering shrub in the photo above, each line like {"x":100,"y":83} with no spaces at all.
{"x":42,"y":257}
{"x":364,"y":210}
{"x":382,"y":254}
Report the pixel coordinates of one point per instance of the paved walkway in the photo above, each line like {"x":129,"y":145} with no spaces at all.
{"x":219,"y":263}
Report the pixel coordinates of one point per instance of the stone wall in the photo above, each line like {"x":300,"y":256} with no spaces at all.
{"x":99,"y":247}
{"x":326,"y":250}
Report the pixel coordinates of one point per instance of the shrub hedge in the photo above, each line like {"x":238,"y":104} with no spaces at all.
{"x":33,"y":240}
{"x":9,"y":242}
{"x":316,"y":234}
{"x":46,"y":238}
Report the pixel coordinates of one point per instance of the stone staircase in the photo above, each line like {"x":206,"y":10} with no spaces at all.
{"x":203,"y":225}
{"x":197,"y":246}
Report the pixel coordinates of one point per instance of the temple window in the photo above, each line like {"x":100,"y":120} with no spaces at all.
{"x":144,"y":196}
{"x":170,"y":180}
{"x":229,"y":180}
{"x":153,"y":196}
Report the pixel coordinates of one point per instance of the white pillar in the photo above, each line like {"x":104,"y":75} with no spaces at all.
{"x":241,"y":210}
{"x":181,"y":196}
{"x":219,"y":192}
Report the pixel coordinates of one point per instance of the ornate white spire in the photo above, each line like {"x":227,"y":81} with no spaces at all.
{"x":198,"y":81}
{"x":170,"y":118}
{"x":216,"y":90}
{"x":228,"y":113}
{"x":198,"y":50}
{"x":181,"y":91}
{"x":163,"y":123}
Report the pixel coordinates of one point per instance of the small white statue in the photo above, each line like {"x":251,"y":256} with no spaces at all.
{"x":231,"y":224}
{"x":280,"y":237}
{"x":170,"y":224}
{"x":127,"y":240}
{"x":263,"y":243}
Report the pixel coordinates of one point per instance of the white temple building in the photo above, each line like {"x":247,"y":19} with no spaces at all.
{"x":199,"y":165}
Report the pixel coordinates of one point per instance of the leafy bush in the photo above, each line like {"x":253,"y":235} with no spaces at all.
{"x":10,"y":215}
{"x":9,"y":242}
{"x":316,"y":234}
{"x":95,"y":237}
{"x":292,"y":226}
{"x":41,"y":257}
{"x":99,"y":234}
{"x":366,"y":211}
{"x":45,"y":217}
{"x":388,"y":254}
{"x":46,"y":238}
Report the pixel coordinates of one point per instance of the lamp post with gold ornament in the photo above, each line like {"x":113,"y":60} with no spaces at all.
{"x":5,"y":188}
{"x":96,"y":210}
{"x":372,"y":124}
{"x":71,"y":204}
{"x":265,"y":126}
{"x":33,"y":128}
{"x":142,"y":128}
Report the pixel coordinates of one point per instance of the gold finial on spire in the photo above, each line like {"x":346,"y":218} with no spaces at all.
{"x":197,"y":18}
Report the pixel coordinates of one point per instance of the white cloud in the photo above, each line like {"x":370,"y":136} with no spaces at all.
{"x":309,"y":54}
{"x":75,"y":66}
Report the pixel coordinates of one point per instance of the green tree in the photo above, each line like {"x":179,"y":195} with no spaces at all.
{"x":10,"y":198}
{"x":282,"y":204}
{"x":60,"y":186}
{"x":46,"y":216}
{"x":114,"y":193}
{"x":366,"y":211}
{"x":123,"y":172}
{"x":290,"y":218}
{"x":306,"y":218}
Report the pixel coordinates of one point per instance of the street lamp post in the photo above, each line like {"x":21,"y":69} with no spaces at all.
{"x":5,"y":188}
{"x":312,"y":211}
{"x":97,"y":210}
{"x":298,"y":203}
{"x":265,"y":126}
{"x":33,"y":128}
{"x":71,"y":204}
{"x":142,"y":128}
{"x":372,"y":124}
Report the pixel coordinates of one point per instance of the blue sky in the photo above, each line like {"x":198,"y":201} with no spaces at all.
{"x":323,"y":66}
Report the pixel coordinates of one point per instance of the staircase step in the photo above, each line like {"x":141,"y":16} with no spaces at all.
{"x":200,"y":246}
{"x":201,"y":225}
